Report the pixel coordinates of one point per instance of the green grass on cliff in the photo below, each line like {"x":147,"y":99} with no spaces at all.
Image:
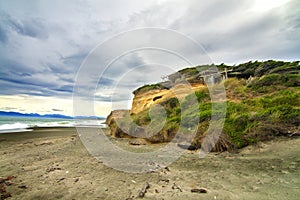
{"x":259,"y":109}
{"x":267,"y":107}
{"x":258,"y":116}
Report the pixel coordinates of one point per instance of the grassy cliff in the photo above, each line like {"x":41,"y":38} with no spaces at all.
{"x":263,"y":102}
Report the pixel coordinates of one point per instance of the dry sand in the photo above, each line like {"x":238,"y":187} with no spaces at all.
{"x":48,"y":164}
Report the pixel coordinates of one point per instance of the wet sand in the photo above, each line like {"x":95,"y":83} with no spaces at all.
{"x":51,"y":163}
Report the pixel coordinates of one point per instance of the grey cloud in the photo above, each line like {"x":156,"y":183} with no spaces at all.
{"x":202,"y":13}
{"x":24,"y":80}
{"x":13,"y":88}
{"x":104,"y":81}
{"x":35,"y":28}
{"x":28,"y":27}
{"x":9,"y":65}
{"x":3,"y":35}
{"x":14,"y":83}
{"x":9,"y":78}
{"x":231,"y":33}
{"x":253,"y":32}
{"x":57,"y":110}
{"x":74,"y":60}
{"x":123,"y":65}
{"x":65,"y":88}
{"x":291,"y":26}
{"x":58,"y":68}
{"x":122,"y":88}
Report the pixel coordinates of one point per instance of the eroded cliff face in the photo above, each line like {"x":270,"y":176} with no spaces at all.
{"x":145,"y":100}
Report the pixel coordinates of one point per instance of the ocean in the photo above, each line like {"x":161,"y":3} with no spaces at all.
{"x":20,"y":124}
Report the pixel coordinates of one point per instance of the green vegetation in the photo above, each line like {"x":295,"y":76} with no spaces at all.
{"x":146,"y":88}
{"x":274,"y":82}
{"x":259,"y":109}
{"x":259,"y":69}
{"x":282,"y":72}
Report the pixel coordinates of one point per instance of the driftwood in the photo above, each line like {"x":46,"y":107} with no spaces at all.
{"x":199,"y":190}
{"x":144,"y":190}
{"x":51,"y":169}
{"x":175,"y":186}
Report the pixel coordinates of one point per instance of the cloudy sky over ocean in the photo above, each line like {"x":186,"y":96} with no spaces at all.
{"x":43,"y":44}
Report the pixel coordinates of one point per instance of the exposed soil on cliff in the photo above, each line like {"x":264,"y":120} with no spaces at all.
{"x":145,"y":100}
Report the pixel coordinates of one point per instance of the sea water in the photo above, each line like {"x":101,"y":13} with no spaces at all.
{"x":20,"y":124}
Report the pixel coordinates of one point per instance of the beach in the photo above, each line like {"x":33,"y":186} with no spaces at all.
{"x":52,"y":163}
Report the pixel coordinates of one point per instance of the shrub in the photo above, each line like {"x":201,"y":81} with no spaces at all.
{"x":147,"y":88}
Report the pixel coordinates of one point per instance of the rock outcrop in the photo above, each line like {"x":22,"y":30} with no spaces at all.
{"x":115,"y":130}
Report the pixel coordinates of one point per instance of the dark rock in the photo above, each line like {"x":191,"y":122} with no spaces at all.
{"x":188,"y":147}
{"x":134,"y":143}
{"x":5,"y":195}
{"x":23,"y":186}
{"x":199,"y":190}
{"x":2,"y":188}
{"x":8,"y":183}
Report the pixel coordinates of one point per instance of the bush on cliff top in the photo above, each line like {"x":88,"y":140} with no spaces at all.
{"x":146,"y":88}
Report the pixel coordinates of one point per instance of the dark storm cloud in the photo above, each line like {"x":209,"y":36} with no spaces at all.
{"x":42,"y":46}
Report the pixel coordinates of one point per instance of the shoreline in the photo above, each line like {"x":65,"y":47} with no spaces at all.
{"x":48,"y":164}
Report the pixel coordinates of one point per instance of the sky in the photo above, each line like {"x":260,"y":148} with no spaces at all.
{"x":49,"y":49}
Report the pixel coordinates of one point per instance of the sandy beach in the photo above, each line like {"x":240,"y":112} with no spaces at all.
{"x":51,"y":163}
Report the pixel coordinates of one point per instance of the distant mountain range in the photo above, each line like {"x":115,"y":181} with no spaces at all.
{"x":56,"y":116}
